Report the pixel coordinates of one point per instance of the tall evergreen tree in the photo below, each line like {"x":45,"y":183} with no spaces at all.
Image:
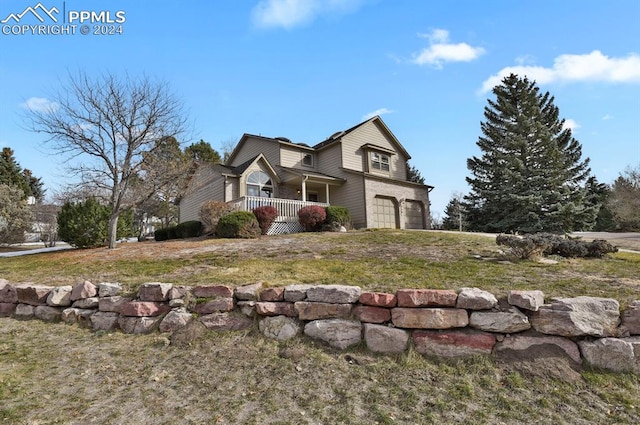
{"x":12,"y":174}
{"x":530,"y":175}
{"x":456,"y":216}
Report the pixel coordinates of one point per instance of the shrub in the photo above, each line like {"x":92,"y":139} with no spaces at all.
{"x":521,"y":248}
{"x":210,"y":214}
{"x":189,"y":229}
{"x":161,"y":235}
{"x":265,"y":215}
{"x":600,"y":247}
{"x":238,"y":224}
{"x":535,"y":245}
{"x":312,"y":217}
{"x":172,"y":232}
{"x":337,"y":216}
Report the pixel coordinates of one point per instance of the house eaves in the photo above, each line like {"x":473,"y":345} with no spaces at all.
{"x":387,"y":179}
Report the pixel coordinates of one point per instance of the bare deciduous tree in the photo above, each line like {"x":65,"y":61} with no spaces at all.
{"x":106,"y":126}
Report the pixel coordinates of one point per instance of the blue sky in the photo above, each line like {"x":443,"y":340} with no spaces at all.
{"x":306,"y":69}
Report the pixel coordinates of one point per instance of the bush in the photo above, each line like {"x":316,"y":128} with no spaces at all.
{"x":189,"y":229}
{"x":265,"y":215}
{"x":536,"y":245}
{"x":312,"y":218}
{"x":161,"y":235}
{"x":172,"y":232}
{"x":238,"y":224}
{"x":210,"y":214}
{"x":84,"y":224}
{"x":337,"y":216}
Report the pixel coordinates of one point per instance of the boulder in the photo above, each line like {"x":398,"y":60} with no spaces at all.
{"x":248,"y":308}
{"x":226,"y":322}
{"x":334,"y":294}
{"x":528,"y":300}
{"x":24,"y":311}
{"x":281,"y":328}
{"x":525,"y":347}
{"x":317,"y":311}
{"x":213,"y":306}
{"x":8,"y":292}
{"x":509,"y":321}
{"x":370,"y":314}
{"x":60,"y":296}
{"x":338,"y":333}
{"x":143,"y":309}
{"x":47,"y":313}
{"x":578,"y":316}
{"x":112,"y":304}
{"x":154,"y":291}
{"x":91,"y":302}
{"x":476,"y":299}
{"x":631,"y":318}
{"x":7,"y":309}
{"x":107,"y":289}
{"x":28,"y":293}
{"x":83,"y":290}
{"x":426,"y":298}
{"x":78,"y":316}
{"x":138,"y":325}
{"x":248,"y":292}
{"x":614,"y":354}
{"x":378,"y":299}
{"x":459,"y":343}
{"x":294,"y":293}
{"x":272,"y":294}
{"x":429,"y":318}
{"x":384,"y":339}
{"x":266,"y":308}
{"x":178,"y":291}
{"x":214,"y":291}
{"x":104,"y":321}
{"x":175,"y":319}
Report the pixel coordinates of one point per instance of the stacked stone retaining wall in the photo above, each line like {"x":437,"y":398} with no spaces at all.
{"x":446,"y":323}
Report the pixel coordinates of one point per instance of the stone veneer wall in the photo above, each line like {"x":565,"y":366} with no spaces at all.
{"x":585,"y":330}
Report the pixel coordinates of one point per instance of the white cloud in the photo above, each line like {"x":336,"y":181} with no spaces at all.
{"x":380,"y":111}
{"x":292,"y":13}
{"x":570,"y":124}
{"x":607,"y":117}
{"x":440,"y":50}
{"x":40,"y":104}
{"x":593,"y":66}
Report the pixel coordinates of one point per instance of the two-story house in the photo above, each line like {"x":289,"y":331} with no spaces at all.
{"x":363,"y":168}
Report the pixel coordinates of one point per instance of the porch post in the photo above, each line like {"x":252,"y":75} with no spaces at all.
{"x":326,"y":185}
{"x":304,"y":188}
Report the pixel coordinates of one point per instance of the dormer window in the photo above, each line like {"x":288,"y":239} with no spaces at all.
{"x":307,"y":160}
{"x":379,"y":161}
{"x":259,"y":184}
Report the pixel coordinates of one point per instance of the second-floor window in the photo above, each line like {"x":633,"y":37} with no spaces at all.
{"x":307,"y":160}
{"x":379,"y":161}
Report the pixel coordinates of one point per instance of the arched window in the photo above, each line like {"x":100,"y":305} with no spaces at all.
{"x":259,"y":184}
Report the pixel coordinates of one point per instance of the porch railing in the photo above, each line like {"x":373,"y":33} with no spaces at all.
{"x":287,"y":208}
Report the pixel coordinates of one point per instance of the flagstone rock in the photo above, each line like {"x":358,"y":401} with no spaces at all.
{"x":154,"y":291}
{"x":578,"y":316}
{"x":272,"y":294}
{"x":614,"y":354}
{"x":91,"y":302}
{"x":138,"y":325}
{"x":248,"y":308}
{"x":248,"y":292}
{"x":334,"y":294}
{"x":519,"y":347}
{"x":426,"y":298}
{"x":177,"y":302}
{"x":213,"y":306}
{"x":317,"y":311}
{"x":294,"y":293}
{"x":143,"y":308}
{"x":476,"y":299}
{"x":8,"y":292}
{"x":59,"y":296}
{"x":510,"y":321}
{"x":31,"y":294}
{"x":281,"y":328}
{"x":429,"y":318}
{"x":7,"y":309}
{"x":338,"y":333}
{"x":378,"y":299}
{"x":104,"y":321}
{"x":214,"y":291}
{"x":631,"y":318}
{"x":458,"y":343}
{"x":528,"y":300}
{"x":107,"y":289}
{"x":47,"y":313}
{"x":175,"y":319}
{"x":24,"y":311}
{"x":83,"y":290}
{"x":80,"y":316}
{"x":384,"y":339}
{"x":226,"y":322}
{"x":113,"y":304}
{"x":370,"y":314}
{"x":265,"y":308}
{"x":178,"y":291}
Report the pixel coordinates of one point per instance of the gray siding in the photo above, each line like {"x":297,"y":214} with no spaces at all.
{"x":253,"y":147}
{"x":330,"y":161}
{"x":290,"y":156}
{"x":205,"y":185}
{"x":351,"y":196}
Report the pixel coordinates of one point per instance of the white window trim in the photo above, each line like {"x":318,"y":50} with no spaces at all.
{"x":308,"y":155}
{"x":380,"y":161}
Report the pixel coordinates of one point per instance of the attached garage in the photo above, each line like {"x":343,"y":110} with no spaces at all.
{"x":414,"y":215}
{"x":385,"y":212}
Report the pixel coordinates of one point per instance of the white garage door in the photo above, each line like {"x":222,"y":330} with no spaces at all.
{"x":385,"y":212}
{"x":414,"y":215}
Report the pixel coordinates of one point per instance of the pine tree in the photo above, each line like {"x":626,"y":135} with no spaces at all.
{"x":529,"y":177}
{"x":456,"y":216}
